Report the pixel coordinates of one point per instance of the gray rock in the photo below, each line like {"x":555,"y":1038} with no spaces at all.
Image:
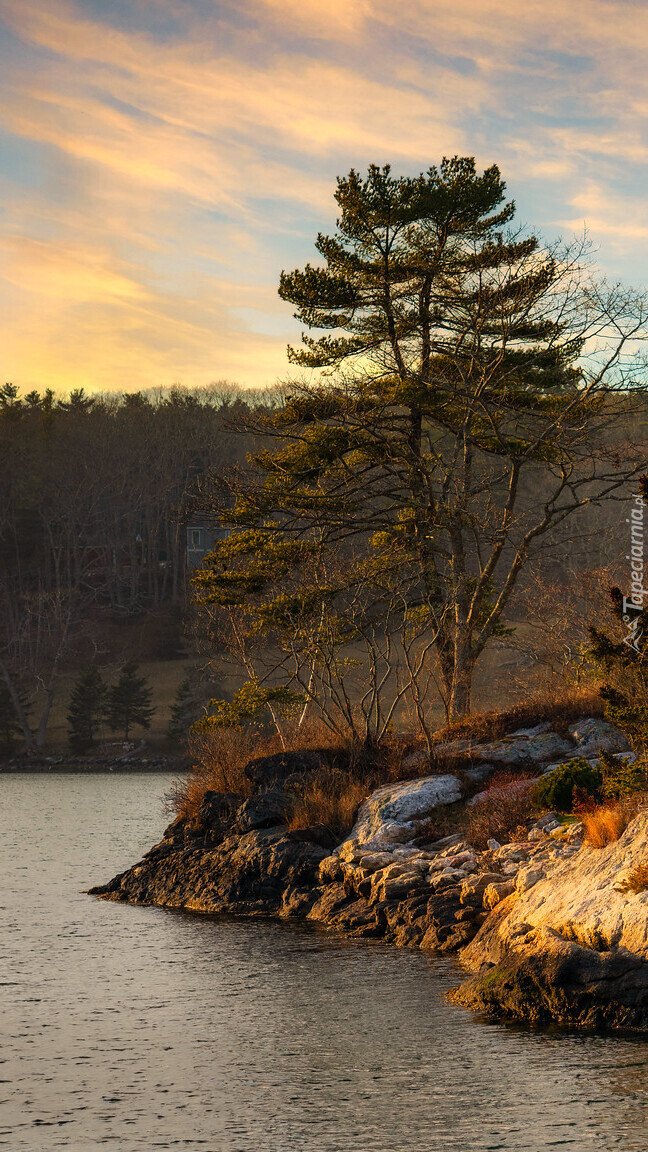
{"x":537,"y":730}
{"x":547,"y":746}
{"x":511,"y":751}
{"x":395,"y":814}
{"x":595,"y":735}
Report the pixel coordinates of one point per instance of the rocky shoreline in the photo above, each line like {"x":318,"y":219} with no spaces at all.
{"x":544,"y":923}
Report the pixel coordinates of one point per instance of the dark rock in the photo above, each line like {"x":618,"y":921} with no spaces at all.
{"x":315,"y":834}
{"x":218,"y":808}
{"x":266,"y":810}
{"x":268,"y":771}
{"x":246,"y":874}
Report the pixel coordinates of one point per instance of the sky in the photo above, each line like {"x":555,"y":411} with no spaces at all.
{"x":161,"y":161}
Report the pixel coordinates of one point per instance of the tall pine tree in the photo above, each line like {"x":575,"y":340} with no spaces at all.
{"x":86,"y":710}
{"x":453,"y":428}
{"x":129,"y":701}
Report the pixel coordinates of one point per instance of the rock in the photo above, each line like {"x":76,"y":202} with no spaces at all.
{"x":266,"y":810}
{"x":246,"y":874}
{"x":494,"y":893}
{"x":493,"y":845}
{"x":572,"y":948}
{"x":526,"y":878}
{"x":480,"y":772}
{"x":595,"y":735}
{"x":537,"y":730}
{"x":268,"y":771}
{"x":394,"y":814}
{"x":330,"y":870}
{"x":446,"y":842}
{"x":546,"y":819}
{"x":547,"y":746}
{"x":218,"y":808}
{"x":510,"y":751}
{"x":420,"y":758}
{"x":472,"y":890}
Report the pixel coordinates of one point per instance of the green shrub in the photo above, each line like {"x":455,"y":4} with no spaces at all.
{"x":556,"y":789}
{"x":621,"y":779}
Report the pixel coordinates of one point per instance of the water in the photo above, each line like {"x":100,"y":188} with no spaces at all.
{"x":141,"y":1029}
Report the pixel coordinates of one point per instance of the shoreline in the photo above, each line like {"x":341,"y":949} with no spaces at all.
{"x":549,"y":928}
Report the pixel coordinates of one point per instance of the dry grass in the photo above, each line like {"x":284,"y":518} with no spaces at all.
{"x":219,"y":759}
{"x":560,"y":710}
{"x":605,"y":824}
{"x":332,"y":799}
{"x":504,"y":810}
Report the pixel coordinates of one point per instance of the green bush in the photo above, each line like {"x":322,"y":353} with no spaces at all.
{"x":621,"y":779}
{"x":556,"y":789}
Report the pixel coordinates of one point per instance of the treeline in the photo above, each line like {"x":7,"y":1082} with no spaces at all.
{"x":95,"y":495}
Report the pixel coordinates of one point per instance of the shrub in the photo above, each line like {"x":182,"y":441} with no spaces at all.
{"x":556,"y":789}
{"x":606,"y":824}
{"x":508,"y":803}
{"x":219,"y":758}
{"x":620,"y":778}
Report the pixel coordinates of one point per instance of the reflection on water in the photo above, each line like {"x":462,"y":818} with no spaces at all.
{"x":138,"y":1028}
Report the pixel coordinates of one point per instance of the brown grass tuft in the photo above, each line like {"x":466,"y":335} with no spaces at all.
{"x":219,"y":758}
{"x":605,"y":824}
{"x":560,"y":710}
{"x":331,"y":798}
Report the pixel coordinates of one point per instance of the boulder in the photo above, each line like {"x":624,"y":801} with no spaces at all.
{"x":494,"y":893}
{"x":547,"y":746}
{"x":268,"y":771}
{"x":266,"y":810}
{"x":245,"y":874}
{"x":396,"y":813}
{"x":593,"y":735}
{"x":218,"y":808}
{"x":512,"y":751}
{"x":573,"y":947}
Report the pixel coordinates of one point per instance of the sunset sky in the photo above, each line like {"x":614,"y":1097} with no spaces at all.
{"x":162,"y":160}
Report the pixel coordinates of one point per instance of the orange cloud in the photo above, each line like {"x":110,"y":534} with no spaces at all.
{"x":181,"y":173}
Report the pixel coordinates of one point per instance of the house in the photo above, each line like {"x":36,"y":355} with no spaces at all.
{"x":200,"y":541}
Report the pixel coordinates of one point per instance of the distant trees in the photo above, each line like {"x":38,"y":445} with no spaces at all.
{"x":95,"y":492}
{"x":129,"y":701}
{"x":86,"y":711}
{"x":474,"y":380}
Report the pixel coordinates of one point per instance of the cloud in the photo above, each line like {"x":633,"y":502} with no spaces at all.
{"x":187,"y":152}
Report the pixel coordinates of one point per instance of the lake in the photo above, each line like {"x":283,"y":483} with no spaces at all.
{"x":141,"y":1028}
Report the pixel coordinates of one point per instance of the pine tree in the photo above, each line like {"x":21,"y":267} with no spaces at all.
{"x":192,"y":698}
{"x":456,"y":390}
{"x":86,"y":710}
{"x":9,"y":724}
{"x":129,"y":701}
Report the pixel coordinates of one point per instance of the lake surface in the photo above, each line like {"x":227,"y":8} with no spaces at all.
{"x":140,"y":1028}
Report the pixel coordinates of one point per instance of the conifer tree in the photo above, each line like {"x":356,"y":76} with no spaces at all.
{"x":453,"y":428}
{"x":86,"y":709}
{"x":129,"y":701}
{"x":10,"y":726}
